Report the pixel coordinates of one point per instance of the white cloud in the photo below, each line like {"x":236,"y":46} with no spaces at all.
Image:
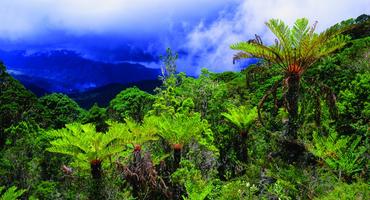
{"x":211,"y":43}
{"x":180,"y":24}
{"x":20,"y":19}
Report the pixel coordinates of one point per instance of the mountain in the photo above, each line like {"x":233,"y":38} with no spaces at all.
{"x":69,"y":72}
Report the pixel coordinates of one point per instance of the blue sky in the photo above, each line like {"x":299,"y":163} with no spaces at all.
{"x":141,"y":30}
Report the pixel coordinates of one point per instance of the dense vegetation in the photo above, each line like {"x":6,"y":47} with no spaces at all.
{"x":293,"y":126}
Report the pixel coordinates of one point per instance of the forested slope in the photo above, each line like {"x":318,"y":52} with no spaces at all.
{"x":217,"y":136}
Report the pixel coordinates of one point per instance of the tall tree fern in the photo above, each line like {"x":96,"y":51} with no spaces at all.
{"x":295,"y":50}
{"x":180,"y":129}
{"x":85,"y":145}
{"x":242,"y":117}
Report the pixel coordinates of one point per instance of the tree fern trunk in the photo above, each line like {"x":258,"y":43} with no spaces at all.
{"x":97,"y":185}
{"x":243,"y":148}
{"x":176,"y":156}
{"x":292,"y":101}
{"x":176,"y":164}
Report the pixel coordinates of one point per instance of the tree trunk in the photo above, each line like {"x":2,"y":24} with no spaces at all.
{"x":176,"y":191}
{"x":292,"y":101}
{"x":96,"y":169}
{"x":136,"y":190}
{"x":292,"y":149}
{"x":243,"y":147}
{"x":176,"y":156}
{"x":96,"y":173}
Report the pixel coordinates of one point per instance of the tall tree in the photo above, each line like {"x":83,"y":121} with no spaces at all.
{"x":130,"y":103}
{"x":169,"y":64}
{"x":294,"y":51}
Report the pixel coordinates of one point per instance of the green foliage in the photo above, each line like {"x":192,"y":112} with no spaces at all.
{"x":183,"y":128}
{"x":197,"y":191}
{"x":15,"y":102}
{"x":20,"y":161}
{"x":11,"y":194}
{"x":46,"y":190}
{"x":141,"y":133}
{"x":238,"y":190}
{"x":297,"y":45}
{"x":295,"y":50}
{"x":57,"y":110}
{"x":207,"y":94}
{"x":354,"y":103}
{"x":358,"y":191}
{"x":344,"y":65}
{"x":342,"y":154}
{"x":290,"y":182}
{"x":85,"y":145}
{"x":97,"y":116}
{"x":166,"y":100}
{"x":241,"y":117}
{"x":196,"y":186}
{"x":130,"y":103}
{"x":169,"y":62}
{"x":219,"y":150}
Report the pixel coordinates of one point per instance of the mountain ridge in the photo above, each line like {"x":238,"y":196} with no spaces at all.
{"x":67,"y":71}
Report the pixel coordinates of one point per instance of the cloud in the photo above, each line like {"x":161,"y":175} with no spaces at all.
{"x":108,"y":30}
{"x":22,"y":19}
{"x":209,"y":44}
{"x":140,"y":30}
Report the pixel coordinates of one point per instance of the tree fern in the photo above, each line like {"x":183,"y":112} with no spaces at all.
{"x":140,"y":133}
{"x":294,"y":51}
{"x":85,"y":145}
{"x":242,"y":117}
{"x":181,"y":128}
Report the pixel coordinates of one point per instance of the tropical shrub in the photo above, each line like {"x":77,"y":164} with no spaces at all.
{"x":343,"y":154}
{"x":130,"y":103}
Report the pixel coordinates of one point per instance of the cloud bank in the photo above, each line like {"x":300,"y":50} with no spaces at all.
{"x":141,"y":30}
{"x":26,"y":18}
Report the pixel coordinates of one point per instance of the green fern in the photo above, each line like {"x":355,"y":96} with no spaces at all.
{"x":84,"y":144}
{"x":11,"y":194}
{"x":343,"y":191}
{"x":181,"y":128}
{"x":295,"y":50}
{"x":242,"y":117}
{"x":342,"y":154}
{"x":141,"y":133}
{"x":298,"y":45}
{"x":197,"y":191}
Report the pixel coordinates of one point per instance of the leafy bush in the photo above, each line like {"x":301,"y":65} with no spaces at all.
{"x":130,"y":103}
{"x":342,"y":154}
{"x":343,"y":191}
{"x":238,"y":190}
{"x":57,"y":110}
{"x":197,"y":187}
